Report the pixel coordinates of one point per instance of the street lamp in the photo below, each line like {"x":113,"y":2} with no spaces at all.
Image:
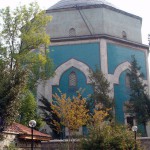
{"x":134,"y":129}
{"x":32,"y":124}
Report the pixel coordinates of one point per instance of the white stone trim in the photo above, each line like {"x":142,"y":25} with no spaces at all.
{"x":45,"y":87}
{"x":126,"y":45}
{"x":115,"y":77}
{"x":103,"y":57}
{"x":129,"y":115}
{"x":65,"y":66}
{"x":74,"y":42}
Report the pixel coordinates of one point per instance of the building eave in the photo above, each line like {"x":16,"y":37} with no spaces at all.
{"x":35,"y":137}
{"x":99,"y":36}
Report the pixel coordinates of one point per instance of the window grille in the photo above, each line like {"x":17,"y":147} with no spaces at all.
{"x":72,"y":79}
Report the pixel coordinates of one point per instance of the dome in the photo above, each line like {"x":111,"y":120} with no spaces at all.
{"x":80,"y":3}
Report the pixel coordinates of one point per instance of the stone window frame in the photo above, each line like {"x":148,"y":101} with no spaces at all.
{"x":126,"y":115}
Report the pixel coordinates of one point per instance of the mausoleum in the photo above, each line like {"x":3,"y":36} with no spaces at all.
{"x":89,"y":33}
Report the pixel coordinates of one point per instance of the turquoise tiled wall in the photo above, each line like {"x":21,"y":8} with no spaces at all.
{"x":81,"y":84}
{"x":118,"y":54}
{"x":121,"y":95}
{"x":87,"y":53}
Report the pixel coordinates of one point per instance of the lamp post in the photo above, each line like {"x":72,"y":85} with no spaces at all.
{"x":134,"y":129}
{"x":32,"y":124}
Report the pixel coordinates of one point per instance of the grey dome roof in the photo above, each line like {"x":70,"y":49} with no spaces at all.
{"x":80,"y":3}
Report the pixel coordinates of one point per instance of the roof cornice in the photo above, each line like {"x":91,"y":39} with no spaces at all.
{"x":98,"y":36}
{"x":94,"y":6}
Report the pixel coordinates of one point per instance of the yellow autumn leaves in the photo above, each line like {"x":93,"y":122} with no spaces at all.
{"x":73,"y":113}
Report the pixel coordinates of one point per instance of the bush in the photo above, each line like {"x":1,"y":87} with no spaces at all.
{"x":109,"y":137}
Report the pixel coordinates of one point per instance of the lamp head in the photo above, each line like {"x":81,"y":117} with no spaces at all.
{"x":134,"y":128}
{"x":32,"y":123}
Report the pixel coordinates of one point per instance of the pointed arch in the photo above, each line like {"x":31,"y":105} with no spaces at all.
{"x":122,"y":67}
{"x":65,"y":66}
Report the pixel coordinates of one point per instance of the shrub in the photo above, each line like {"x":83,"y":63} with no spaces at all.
{"x":109,"y":137}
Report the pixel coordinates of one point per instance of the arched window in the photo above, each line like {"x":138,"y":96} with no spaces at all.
{"x":124,"y":35}
{"x":72,"y":79}
{"x":130,"y":119}
{"x":127,"y":79}
{"x":72,"y":32}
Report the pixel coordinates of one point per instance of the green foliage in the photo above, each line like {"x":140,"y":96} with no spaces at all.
{"x":139,"y":100}
{"x":48,"y":115}
{"x":28,"y":110}
{"x":21,"y":64}
{"x":109,"y":137}
{"x":101,"y":88}
{"x":23,"y":32}
{"x":11,"y":87}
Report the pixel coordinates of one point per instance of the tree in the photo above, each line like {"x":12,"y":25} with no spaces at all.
{"x":71,"y":112}
{"x":139,"y":102}
{"x":103,"y":134}
{"x":49,"y":116}
{"x":28,"y":110}
{"x":98,"y":117}
{"x":11,"y":88}
{"x":109,"y":137}
{"x":22,"y":33}
{"x":101,"y":92}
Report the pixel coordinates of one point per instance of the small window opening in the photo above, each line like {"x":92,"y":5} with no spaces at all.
{"x":130,"y":121}
{"x":124,"y":35}
{"x":72,"y":32}
{"x":72,"y":79}
{"x":127,"y":81}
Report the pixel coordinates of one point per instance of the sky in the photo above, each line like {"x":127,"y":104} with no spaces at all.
{"x":139,"y":8}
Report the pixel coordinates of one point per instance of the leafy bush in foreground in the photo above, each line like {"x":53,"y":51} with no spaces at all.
{"x":109,"y":137}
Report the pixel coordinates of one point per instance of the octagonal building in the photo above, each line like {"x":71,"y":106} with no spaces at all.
{"x":89,"y":33}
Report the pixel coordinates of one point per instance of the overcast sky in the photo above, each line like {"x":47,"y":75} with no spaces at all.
{"x":137,"y":7}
